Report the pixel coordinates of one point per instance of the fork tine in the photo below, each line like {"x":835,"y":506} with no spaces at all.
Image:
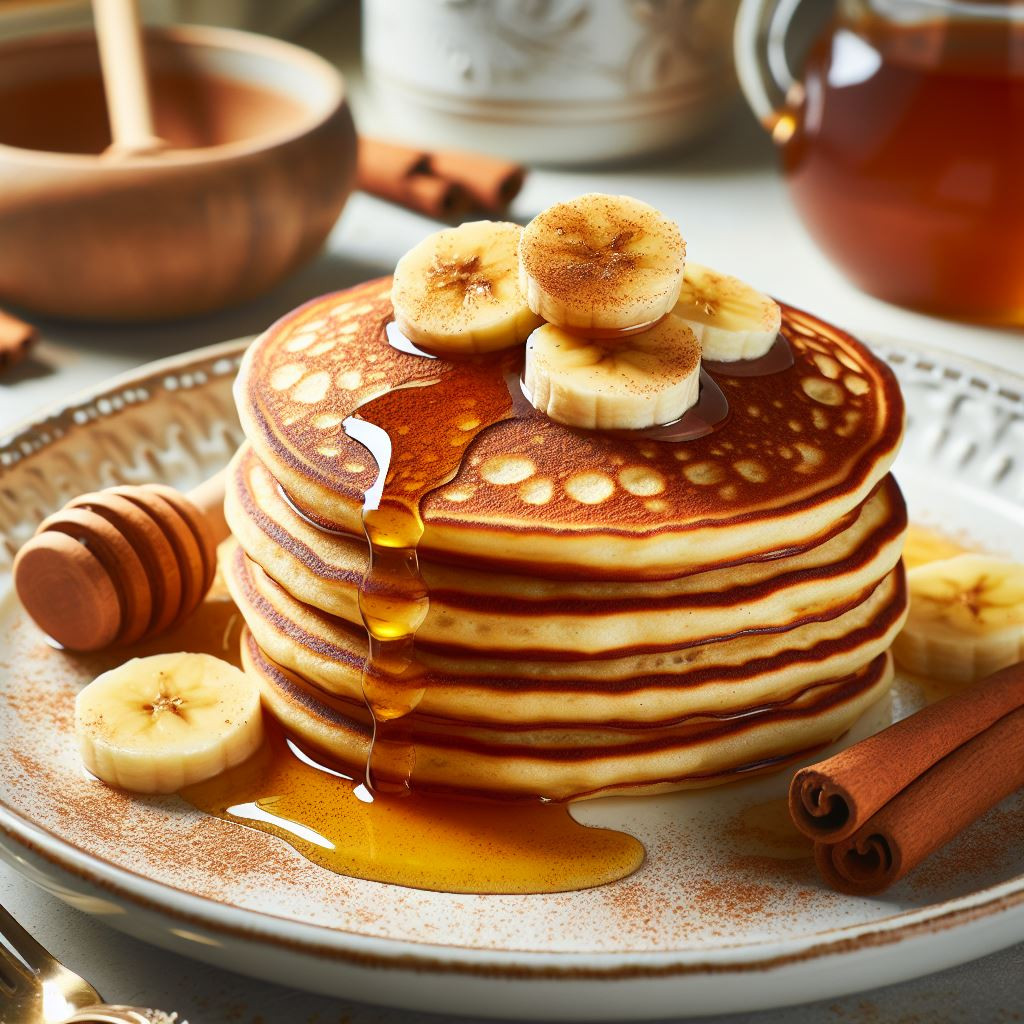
{"x":34,"y":956}
{"x":33,"y":984}
{"x":17,"y":979}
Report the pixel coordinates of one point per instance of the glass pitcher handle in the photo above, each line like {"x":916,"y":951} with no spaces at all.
{"x":759,"y":49}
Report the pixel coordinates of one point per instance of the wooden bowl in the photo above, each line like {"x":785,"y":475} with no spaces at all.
{"x":265,"y":164}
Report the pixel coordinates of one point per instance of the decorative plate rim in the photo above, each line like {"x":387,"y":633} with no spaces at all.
{"x":323,"y":941}
{"x":60,"y":410}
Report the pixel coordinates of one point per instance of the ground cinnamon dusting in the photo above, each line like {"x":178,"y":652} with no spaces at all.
{"x":463,"y":275}
{"x":787,"y":872}
{"x":736,"y":899}
{"x":980,"y":851}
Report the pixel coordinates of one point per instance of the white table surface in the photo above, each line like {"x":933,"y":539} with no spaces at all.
{"x":735,"y":214}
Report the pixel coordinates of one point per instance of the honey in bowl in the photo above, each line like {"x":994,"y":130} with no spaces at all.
{"x":907,"y":158}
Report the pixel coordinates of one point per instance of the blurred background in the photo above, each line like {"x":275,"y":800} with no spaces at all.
{"x":856,"y":132}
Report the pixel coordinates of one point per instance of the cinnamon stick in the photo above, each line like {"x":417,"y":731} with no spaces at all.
{"x":433,"y":197}
{"x":929,"y":812}
{"x":380,"y":165}
{"x":492,"y":182}
{"x":438,"y":183}
{"x":831,"y":800}
{"x":16,"y":338}
{"x":402,"y":175}
{"x":879,"y":808}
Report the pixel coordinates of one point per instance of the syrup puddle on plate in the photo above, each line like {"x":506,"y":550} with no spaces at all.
{"x":424,"y":842}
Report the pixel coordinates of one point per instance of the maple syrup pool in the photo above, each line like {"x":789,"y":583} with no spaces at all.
{"x":444,"y":844}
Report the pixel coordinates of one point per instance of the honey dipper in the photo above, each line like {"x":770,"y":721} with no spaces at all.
{"x":121,"y":564}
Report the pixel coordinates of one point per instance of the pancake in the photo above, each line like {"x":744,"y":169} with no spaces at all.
{"x":802,"y":448}
{"x":730,"y":676}
{"x":581,"y":763}
{"x":475,"y":611}
{"x":571,"y":612}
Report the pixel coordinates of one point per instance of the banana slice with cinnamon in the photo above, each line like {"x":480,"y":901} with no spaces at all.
{"x":458,"y":290}
{"x":731,"y":319}
{"x":626,"y":383}
{"x":601,"y":263}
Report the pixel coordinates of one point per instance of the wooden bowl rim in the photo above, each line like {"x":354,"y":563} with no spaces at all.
{"x":190,"y":37}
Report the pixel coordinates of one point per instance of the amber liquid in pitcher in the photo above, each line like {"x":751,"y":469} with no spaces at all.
{"x":907,"y":163}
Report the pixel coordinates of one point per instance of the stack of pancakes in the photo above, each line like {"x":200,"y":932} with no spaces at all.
{"x":607,"y":613}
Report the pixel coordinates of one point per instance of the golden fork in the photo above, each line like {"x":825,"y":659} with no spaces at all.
{"x":35,"y":988}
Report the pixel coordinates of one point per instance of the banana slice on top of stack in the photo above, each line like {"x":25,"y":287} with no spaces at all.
{"x":641,"y":381}
{"x":605,"y":273}
{"x":613,"y":317}
{"x":458,"y":290}
{"x":731,"y":319}
{"x":601,"y":263}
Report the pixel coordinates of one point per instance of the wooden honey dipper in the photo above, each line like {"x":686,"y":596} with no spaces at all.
{"x":121,"y":564}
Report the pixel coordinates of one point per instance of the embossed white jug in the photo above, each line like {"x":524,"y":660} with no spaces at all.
{"x":550,"y":81}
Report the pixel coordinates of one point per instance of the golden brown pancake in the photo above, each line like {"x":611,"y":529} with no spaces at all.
{"x":801,"y":449}
{"x":724,"y":677}
{"x":479,"y":611}
{"x":607,"y":612}
{"x":576,"y":764}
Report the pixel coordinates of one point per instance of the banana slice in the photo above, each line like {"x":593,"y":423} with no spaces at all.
{"x":627,"y":384}
{"x":458,"y":290}
{"x":601,"y":262}
{"x":966,"y":618}
{"x":922,"y":545}
{"x":731,"y":320}
{"x":158,"y":724}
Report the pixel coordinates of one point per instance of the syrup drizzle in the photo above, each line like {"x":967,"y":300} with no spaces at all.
{"x":459,"y":403}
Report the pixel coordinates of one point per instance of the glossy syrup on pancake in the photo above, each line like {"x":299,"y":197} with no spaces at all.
{"x":417,"y":434}
{"x":778,"y":358}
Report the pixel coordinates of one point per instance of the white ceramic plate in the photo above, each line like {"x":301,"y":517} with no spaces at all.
{"x":724,"y":916}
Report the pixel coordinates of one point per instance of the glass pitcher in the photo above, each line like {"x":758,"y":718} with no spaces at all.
{"x":902,"y":141}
